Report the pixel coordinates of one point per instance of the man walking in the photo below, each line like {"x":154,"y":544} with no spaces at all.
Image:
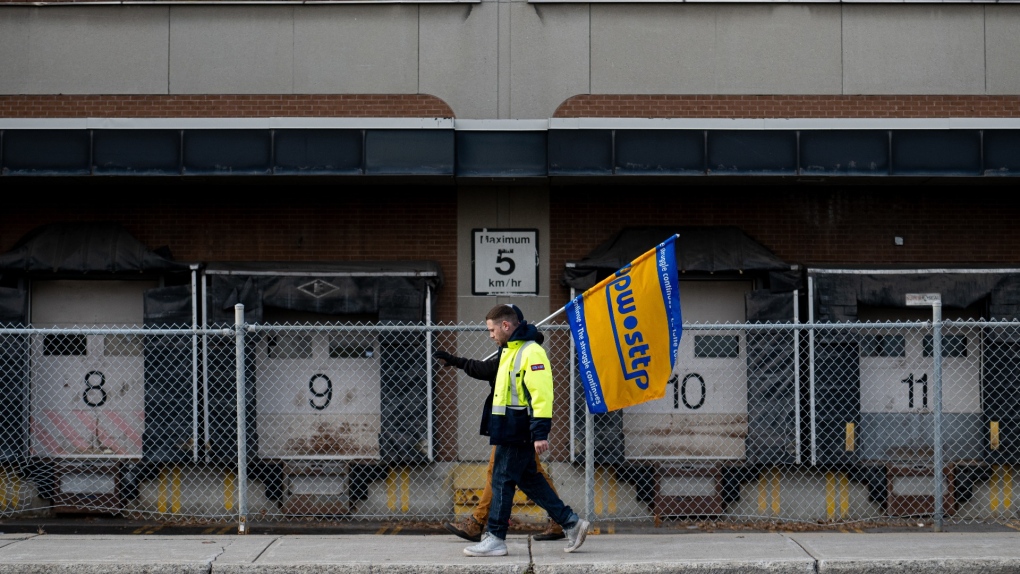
{"x":472,"y":525}
{"x":519,"y":429}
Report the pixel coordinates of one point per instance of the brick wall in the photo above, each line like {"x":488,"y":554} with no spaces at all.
{"x":212,"y":106}
{"x":267,"y":223}
{"x":714,"y":106}
{"x":420,"y":105}
{"x":809,"y":225}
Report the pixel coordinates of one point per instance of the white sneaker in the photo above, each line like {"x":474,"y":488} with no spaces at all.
{"x":489,"y":546}
{"x":576,"y":534}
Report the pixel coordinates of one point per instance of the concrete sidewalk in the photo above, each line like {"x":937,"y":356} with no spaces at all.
{"x":730,"y":553}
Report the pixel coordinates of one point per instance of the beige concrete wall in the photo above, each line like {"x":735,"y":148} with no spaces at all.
{"x":512,"y":59}
{"x":494,"y":207}
{"x":1002,"y":44}
{"x":715,"y":49}
{"x":96,"y":50}
{"x":915,"y":49}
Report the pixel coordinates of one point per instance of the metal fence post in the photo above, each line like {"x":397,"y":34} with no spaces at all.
{"x":936,"y":351}
{"x":242,"y":446}
{"x":589,"y":465}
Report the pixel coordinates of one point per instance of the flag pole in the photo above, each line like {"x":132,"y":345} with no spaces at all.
{"x":550,"y":317}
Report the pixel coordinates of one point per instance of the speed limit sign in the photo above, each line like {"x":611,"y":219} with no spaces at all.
{"x":504,"y":261}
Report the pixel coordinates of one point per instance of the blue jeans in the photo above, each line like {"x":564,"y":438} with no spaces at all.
{"x":515,"y":468}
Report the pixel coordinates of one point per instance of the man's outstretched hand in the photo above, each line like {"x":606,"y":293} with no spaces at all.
{"x":449,"y":360}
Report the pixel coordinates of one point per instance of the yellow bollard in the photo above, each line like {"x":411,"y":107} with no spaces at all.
{"x":769,"y":478}
{"x":830,"y":495}
{"x":161,"y":497}
{"x":1000,"y":488}
{"x":175,"y":496}
{"x":605,"y":491}
{"x":15,"y":491}
{"x":837,"y":485}
{"x":10,"y":486}
{"x":169,"y":497}
{"x":1007,"y":487}
{"x":3,"y":489}
{"x":775,"y":491}
{"x":405,"y":489}
{"x":844,"y":495}
{"x":398,"y":483}
{"x":229,"y":482}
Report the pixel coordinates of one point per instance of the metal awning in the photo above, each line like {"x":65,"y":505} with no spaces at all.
{"x":609,"y":149}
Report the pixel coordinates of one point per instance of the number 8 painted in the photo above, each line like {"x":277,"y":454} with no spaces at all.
{"x":89,"y":387}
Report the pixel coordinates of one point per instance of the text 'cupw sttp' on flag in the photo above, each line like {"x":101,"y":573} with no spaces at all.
{"x":627,"y":330}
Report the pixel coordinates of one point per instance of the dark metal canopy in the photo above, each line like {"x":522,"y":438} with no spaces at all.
{"x":393,"y":290}
{"x":84,"y":247}
{"x":445,"y":152}
{"x":710,"y":249}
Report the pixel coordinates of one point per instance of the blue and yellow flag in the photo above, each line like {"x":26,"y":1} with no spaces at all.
{"x":627,"y":330}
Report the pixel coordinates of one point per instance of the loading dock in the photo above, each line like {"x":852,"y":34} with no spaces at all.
{"x":873,"y":401}
{"x":337,"y":401}
{"x":88,"y":285}
{"x":731,"y":405}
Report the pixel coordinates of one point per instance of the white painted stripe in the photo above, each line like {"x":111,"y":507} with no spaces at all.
{"x":905,"y":271}
{"x":178,"y":123}
{"x":515,"y":125}
{"x":501,"y":125}
{"x":785,"y":123}
{"x":771,"y":1}
{"x":984,"y":123}
{"x":363,"y":123}
{"x":43,"y":123}
{"x":857,"y":124}
{"x":657,"y":123}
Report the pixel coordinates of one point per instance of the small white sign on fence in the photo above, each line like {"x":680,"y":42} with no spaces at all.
{"x":923,"y":299}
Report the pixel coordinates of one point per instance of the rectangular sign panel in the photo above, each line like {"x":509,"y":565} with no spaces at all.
{"x":504,"y":262}
{"x":918,"y":299}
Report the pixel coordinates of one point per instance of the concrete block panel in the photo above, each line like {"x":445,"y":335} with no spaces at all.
{"x":96,"y":50}
{"x":715,"y":49}
{"x":231,"y":50}
{"x":913,"y":49}
{"x":549,"y":57}
{"x":356,"y":49}
{"x":497,"y":207}
{"x":1002,"y":41}
{"x":459,"y":55}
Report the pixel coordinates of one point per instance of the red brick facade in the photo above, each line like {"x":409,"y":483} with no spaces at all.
{"x":426,"y":106}
{"x":807,"y":225}
{"x":217,"y":106}
{"x":267,"y":223}
{"x":780,"y":106}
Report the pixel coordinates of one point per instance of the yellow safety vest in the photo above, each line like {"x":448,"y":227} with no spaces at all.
{"x":524,"y":380}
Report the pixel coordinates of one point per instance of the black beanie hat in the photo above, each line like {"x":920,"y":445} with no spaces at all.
{"x":517,"y":310}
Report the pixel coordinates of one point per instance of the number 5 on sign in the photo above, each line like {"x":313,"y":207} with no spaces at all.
{"x":504,"y":262}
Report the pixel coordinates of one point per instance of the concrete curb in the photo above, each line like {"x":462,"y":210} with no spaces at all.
{"x":717,"y":553}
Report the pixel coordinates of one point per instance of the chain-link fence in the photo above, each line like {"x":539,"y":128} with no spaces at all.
{"x":821,"y":424}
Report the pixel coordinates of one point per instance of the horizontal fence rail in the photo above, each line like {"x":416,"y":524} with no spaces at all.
{"x":823,"y":424}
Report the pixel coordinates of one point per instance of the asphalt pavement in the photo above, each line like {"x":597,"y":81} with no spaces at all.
{"x":655,"y":551}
